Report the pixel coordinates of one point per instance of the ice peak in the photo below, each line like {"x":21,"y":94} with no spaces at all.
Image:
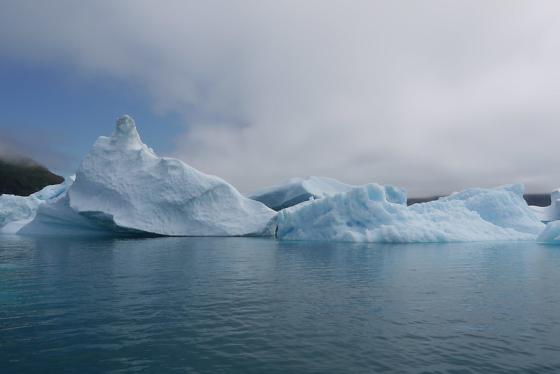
{"x":125,"y":123}
{"x":126,"y":133}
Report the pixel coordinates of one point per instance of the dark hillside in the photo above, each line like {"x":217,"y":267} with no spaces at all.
{"x":24,"y":177}
{"x":542,"y":199}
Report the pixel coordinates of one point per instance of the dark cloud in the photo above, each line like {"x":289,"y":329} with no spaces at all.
{"x":432,"y":96}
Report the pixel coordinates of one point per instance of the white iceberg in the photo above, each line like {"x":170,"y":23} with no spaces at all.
{"x":550,"y":234}
{"x":17,"y":211}
{"x":366,"y":214}
{"x":297,"y":190}
{"x":551,"y":212}
{"x":550,"y":215}
{"x":122,"y":186}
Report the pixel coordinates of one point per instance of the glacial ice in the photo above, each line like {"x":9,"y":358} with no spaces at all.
{"x":551,"y":216}
{"x":297,"y":190}
{"x":551,"y":212}
{"x":550,"y":234}
{"x":17,"y":211}
{"x":366,"y":214}
{"x":122,"y":186}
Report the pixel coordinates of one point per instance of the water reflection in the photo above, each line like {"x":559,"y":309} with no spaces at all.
{"x":260,"y":305}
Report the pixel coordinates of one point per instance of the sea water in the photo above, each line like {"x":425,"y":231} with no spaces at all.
{"x":249,"y":305}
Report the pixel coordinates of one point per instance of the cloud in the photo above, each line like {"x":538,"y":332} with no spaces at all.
{"x":432,"y":96}
{"x":33,"y":145}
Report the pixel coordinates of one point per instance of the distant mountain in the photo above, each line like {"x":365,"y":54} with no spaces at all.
{"x":416,"y":200}
{"x":24,"y":176}
{"x":535,"y":199}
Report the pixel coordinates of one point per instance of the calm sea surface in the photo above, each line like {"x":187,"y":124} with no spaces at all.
{"x":234,"y":305}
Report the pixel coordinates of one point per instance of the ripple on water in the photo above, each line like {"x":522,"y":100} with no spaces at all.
{"x":223,"y":305}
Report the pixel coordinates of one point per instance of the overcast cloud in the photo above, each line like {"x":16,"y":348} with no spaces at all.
{"x":430,"y":95}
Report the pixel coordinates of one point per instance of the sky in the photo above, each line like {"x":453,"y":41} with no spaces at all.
{"x":434,"y":96}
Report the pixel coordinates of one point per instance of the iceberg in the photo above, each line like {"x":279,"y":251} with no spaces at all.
{"x":551,"y":216}
{"x":367,"y":214}
{"x":550,"y":234}
{"x":297,"y":190}
{"x":551,"y":212}
{"x":17,"y":211}
{"x":123,"y":187}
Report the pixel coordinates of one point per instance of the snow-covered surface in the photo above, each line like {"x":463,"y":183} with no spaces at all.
{"x":551,"y":212}
{"x":366,"y":214}
{"x":17,"y":211}
{"x":297,"y":190}
{"x":123,"y":186}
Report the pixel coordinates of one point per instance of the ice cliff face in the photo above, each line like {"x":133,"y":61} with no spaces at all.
{"x":298,"y":190}
{"x":123,"y":186}
{"x":366,"y":214}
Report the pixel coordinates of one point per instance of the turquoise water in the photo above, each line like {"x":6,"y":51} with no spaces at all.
{"x":234,"y":305}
